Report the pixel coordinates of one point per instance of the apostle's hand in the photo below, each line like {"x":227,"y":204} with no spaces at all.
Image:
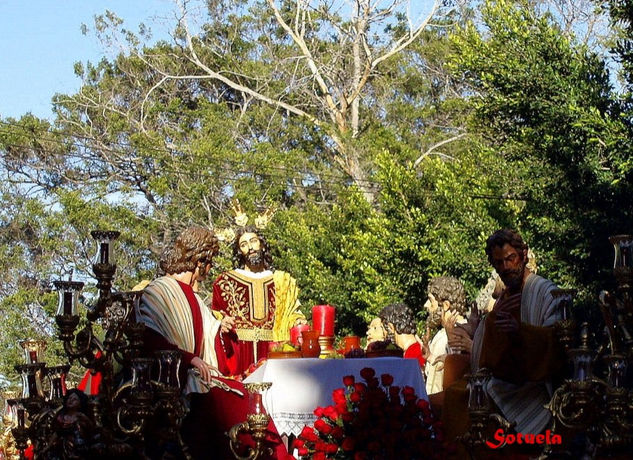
{"x":206,"y":370}
{"x":458,"y":340}
{"x":504,"y":309}
{"x":473,"y":320}
{"x":424,"y":342}
{"x":509,"y":303}
{"x":506,"y":322}
{"x":227,"y":324}
{"x":439,"y":362}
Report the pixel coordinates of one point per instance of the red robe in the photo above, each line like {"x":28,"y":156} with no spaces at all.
{"x":251,"y":301}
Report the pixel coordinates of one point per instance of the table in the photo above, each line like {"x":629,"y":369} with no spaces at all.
{"x":301,"y":385}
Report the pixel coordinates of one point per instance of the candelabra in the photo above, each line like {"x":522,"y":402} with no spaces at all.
{"x":133,"y":415}
{"x":483,"y":421}
{"x":256,"y":424}
{"x":597,"y":402}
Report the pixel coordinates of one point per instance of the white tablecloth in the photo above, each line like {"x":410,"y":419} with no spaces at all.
{"x":301,"y":385}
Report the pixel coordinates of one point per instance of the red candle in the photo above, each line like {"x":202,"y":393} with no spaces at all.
{"x":323,"y":319}
{"x":257,"y":406}
{"x":295,"y":334}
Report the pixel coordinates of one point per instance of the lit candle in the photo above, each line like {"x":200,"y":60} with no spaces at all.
{"x":295,"y":334}
{"x":323,"y":319}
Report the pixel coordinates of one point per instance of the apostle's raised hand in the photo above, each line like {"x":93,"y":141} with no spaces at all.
{"x":459,"y":340}
{"x":227,"y":323}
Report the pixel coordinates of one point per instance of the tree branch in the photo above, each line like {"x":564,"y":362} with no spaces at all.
{"x":436,"y":146}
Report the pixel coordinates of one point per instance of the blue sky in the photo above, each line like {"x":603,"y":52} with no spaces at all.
{"x":40,"y":40}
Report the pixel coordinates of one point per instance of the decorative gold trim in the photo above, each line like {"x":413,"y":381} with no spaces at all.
{"x":254,"y":335}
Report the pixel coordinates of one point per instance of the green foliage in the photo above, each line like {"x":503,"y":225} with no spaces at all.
{"x":545,"y":104}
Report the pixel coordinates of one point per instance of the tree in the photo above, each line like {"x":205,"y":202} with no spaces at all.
{"x":545,"y":104}
{"x":312,"y":61}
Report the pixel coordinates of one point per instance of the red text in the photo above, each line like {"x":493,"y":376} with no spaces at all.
{"x":520,"y":438}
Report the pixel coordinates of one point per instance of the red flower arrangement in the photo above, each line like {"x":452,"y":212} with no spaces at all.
{"x":372,"y":420}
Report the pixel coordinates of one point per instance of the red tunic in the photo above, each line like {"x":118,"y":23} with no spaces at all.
{"x":415,"y":351}
{"x":251,"y":301}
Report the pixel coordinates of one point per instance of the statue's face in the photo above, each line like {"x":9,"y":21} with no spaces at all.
{"x":510,"y":264}
{"x":251,"y":248}
{"x":73,"y":401}
{"x":433,"y":308}
{"x":436,"y":311}
{"x":375,"y":331}
{"x":249,"y":243}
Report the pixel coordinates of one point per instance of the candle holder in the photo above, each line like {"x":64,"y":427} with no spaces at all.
{"x":127,"y":395}
{"x":256,"y":424}
{"x":327,"y":346}
{"x":104,"y":268}
{"x":21,"y":431}
{"x":566,"y":327}
{"x":483,"y":421}
{"x":623,"y":260}
{"x":168,"y":367}
{"x":57,"y":378}
{"x":68,"y":296}
{"x":33,"y":350}
{"x":9,"y":421}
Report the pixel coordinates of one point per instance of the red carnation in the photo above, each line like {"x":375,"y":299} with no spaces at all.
{"x":323,"y":426}
{"x":348,"y":444}
{"x":410,"y":398}
{"x":319,"y":456}
{"x":318,"y":412}
{"x":367,"y":373}
{"x":330,"y":412}
{"x":360,"y":456}
{"x":306,"y":430}
{"x":423,"y":404}
{"x":348,"y":380}
{"x":308,"y":434}
{"x":338,"y":395}
{"x":386,"y":379}
{"x":355,"y":397}
{"x":360,"y":387}
{"x":298,"y":443}
{"x":331,"y":448}
{"x":337,"y":432}
{"x":407,"y":390}
{"x":341,"y":408}
{"x":302,"y":451}
{"x":347,"y":417}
